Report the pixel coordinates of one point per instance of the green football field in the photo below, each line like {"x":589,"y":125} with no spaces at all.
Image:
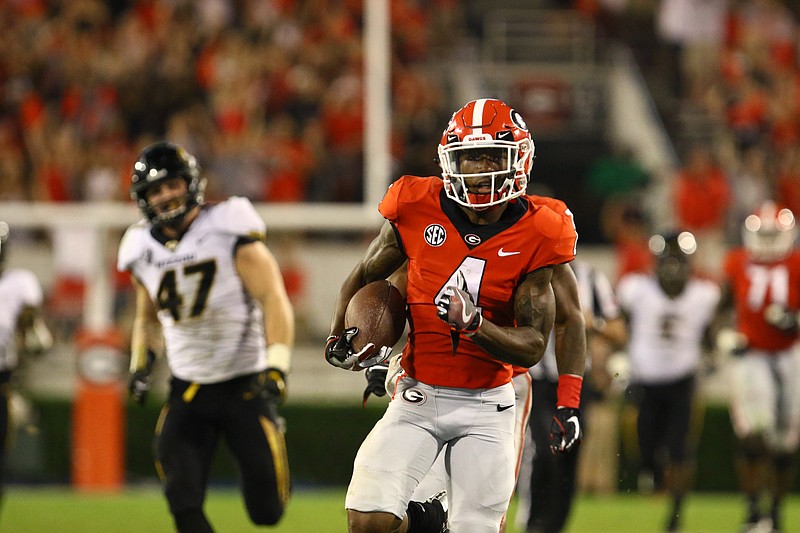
{"x":61,"y":510}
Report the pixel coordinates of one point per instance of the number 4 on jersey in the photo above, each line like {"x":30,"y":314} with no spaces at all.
{"x":471,"y":270}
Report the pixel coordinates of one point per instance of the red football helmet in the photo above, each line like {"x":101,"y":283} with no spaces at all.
{"x":481,"y":125}
{"x":769,"y":233}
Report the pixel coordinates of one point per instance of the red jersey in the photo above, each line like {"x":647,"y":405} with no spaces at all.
{"x":440,"y":241}
{"x":757,"y":285}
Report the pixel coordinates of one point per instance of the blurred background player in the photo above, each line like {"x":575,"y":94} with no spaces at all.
{"x":205,"y":278}
{"x":22,"y":332}
{"x":547,"y":481}
{"x":669,"y":315}
{"x":481,"y":256}
{"x":763,"y":286}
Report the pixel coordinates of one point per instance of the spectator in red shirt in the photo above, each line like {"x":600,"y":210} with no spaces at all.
{"x":702,"y":204}
{"x":702,"y":192}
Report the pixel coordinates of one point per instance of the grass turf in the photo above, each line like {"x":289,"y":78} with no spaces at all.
{"x":62,"y":510}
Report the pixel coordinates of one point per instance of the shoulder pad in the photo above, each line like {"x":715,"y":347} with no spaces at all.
{"x":407,"y":190}
{"x":238,"y":216}
{"x":130,"y":246}
{"x":26,"y":285}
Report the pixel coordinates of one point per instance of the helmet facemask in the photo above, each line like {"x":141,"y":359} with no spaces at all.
{"x":157,"y":164}
{"x":769,"y":234}
{"x":673,"y":254}
{"x":171,"y":211}
{"x":509,"y":181}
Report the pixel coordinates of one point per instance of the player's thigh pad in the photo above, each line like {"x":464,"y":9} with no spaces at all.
{"x":434,"y":481}
{"x":397,"y":453}
{"x":482,"y":465}
{"x":753,"y":394}
{"x":787,"y":434}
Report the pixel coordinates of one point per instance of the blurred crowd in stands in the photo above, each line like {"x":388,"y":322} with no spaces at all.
{"x":736,"y":63}
{"x":267,"y":93}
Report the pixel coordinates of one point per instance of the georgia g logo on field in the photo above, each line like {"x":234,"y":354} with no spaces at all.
{"x":414,"y":396}
{"x":435,"y":235}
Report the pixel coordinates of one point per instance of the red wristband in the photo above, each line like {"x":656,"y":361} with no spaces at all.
{"x":569,"y":390}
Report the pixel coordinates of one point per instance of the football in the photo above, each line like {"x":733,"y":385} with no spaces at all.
{"x":378,"y":310}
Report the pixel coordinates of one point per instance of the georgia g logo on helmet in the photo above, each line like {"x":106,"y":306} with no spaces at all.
{"x":518,"y":121}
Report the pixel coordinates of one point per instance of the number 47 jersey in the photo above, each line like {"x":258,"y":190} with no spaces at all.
{"x":213,"y":329}
{"x":439,"y":242}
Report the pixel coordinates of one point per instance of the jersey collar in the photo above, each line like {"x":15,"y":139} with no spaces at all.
{"x":513,"y":212}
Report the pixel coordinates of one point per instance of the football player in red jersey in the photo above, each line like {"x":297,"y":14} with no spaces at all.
{"x":382,"y":378}
{"x":763,"y":284}
{"x":481,"y":255}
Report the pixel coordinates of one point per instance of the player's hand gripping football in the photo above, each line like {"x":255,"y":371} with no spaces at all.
{"x":565,"y":430}
{"x":140,"y":381}
{"x":457,"y":308}
{"x":339,"y":352}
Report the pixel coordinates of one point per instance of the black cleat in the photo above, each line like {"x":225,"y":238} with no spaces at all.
{"x":439,"y":502}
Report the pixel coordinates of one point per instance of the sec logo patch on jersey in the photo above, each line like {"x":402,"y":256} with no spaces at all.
{"x":435,"y":235}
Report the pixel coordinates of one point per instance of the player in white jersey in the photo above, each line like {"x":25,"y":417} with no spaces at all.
{"x":206,"y":280}
{"x":22,"y":330}
{"x":669,"y":315}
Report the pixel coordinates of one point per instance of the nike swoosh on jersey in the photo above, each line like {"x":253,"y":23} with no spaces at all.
{"x":504,"y":407}
{"x":503,"y":253}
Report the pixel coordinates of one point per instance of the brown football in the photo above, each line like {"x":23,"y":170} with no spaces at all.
{"x":378,"y":310}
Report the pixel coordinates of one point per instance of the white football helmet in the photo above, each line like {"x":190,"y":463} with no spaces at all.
{"x":769,"y":233}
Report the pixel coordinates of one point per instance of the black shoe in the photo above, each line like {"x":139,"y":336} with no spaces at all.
{"x":439,"y":500}
{"x":776,"y":521}
{"x":673,"y":524}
